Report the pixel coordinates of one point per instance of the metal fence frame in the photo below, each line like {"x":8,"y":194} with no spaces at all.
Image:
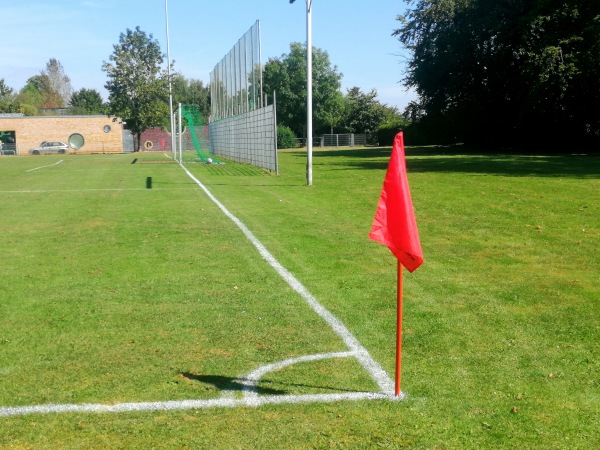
{"x":242,"y":127}
{"x":236,"y":81}
{"x":343,"y":140}
{"x":247,"y":138}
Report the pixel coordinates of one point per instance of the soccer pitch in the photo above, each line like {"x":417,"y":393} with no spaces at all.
{"x":136,"y":313}
{"x":153,"y":287}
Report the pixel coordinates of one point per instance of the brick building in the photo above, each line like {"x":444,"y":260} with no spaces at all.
{"x":101,"y":134}
{"x":155,"y":139}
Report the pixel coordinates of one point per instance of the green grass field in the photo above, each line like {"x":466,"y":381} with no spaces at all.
{"x":113,"y":293}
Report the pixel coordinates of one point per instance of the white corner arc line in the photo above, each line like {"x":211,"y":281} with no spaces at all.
{"x":379,"y":375}
{"x":43,"y":167}
{"x":250,"y":381}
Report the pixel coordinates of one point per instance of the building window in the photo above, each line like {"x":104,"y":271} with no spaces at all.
{"x":76,"y":141}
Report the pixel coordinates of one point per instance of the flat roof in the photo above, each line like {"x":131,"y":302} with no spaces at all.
{"x":57,"y":117}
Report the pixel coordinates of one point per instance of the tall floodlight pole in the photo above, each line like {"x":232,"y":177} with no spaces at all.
{"x":309,"y":93}
{"x":170,"y":84}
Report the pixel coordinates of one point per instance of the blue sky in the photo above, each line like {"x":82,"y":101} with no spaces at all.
{"x":81,"y":35}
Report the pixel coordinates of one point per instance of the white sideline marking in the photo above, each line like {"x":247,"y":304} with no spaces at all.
{"x":43,"y":191}
{"x":42,"y":167}
{"x":191,"y":404}
{"x":379,"y":375}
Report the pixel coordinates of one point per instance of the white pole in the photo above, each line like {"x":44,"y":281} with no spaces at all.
{"x":173,"y":149}
{"x":180,"y":137}
{"x":309,"y":106}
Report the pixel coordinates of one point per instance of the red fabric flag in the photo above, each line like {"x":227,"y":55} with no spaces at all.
{"x":394,"y":224}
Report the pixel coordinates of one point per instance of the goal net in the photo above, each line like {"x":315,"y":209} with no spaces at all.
{"x":193,"y":144}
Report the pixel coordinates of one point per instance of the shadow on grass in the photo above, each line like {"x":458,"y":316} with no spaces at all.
{"x":234,"y":384}
{"x":160,"y":182}
{"x":459,"y":159}
{"x":228,"y":383}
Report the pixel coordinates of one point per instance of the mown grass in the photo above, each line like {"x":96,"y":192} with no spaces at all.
{"x":134,"y":294}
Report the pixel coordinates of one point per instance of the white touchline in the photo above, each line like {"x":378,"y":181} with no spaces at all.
{"x":43,"y":191}
{"x":37,"y":168}
{"x":190,"y":404}
{"x":379,"y":375}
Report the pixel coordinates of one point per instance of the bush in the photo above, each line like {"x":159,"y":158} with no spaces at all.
{"x":286,"y":138}
{"x":29,"y":110}
{"x":386,"y":134}
{"x":393,"y":124}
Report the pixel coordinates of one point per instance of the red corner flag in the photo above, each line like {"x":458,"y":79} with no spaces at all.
{"x":394,"y":224}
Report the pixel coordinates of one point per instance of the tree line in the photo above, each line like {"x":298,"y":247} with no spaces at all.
{"x":51,"y":90}
{"x":355,"y":111}
{"x":487,"y":72}
{"x":138,"y":92}
{"x":504,"y":73}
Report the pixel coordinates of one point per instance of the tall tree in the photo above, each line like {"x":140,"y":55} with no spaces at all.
{"x":490,"y":71}
{"x":287,"y":76}
{"x":59,"y":82}
{"x":192,"y":92}
{"x":87,"y":101}
{"x":333,"y":111}
{"x":137,"y":83}
{"x":46,"y":96}
{"x":6,"y":92}
{"x":363,"y":113}
{"x":8,"y":103}
{"x":30,"y":98}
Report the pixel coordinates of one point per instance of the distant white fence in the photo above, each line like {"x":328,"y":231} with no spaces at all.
{"x":343,"y":140}
{"x":337,"y":140}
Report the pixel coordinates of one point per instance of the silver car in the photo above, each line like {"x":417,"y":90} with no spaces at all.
{"x":50,"y":147}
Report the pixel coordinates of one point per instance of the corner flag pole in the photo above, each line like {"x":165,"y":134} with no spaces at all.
{"x":398,"y":332}
{"x":395,"y":226}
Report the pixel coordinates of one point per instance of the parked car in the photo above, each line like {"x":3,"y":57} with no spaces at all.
{"x":50,"y":147}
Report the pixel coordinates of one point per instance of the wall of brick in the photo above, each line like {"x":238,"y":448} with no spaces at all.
{"x":31,"y":131}
{"x":155,"y":140}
